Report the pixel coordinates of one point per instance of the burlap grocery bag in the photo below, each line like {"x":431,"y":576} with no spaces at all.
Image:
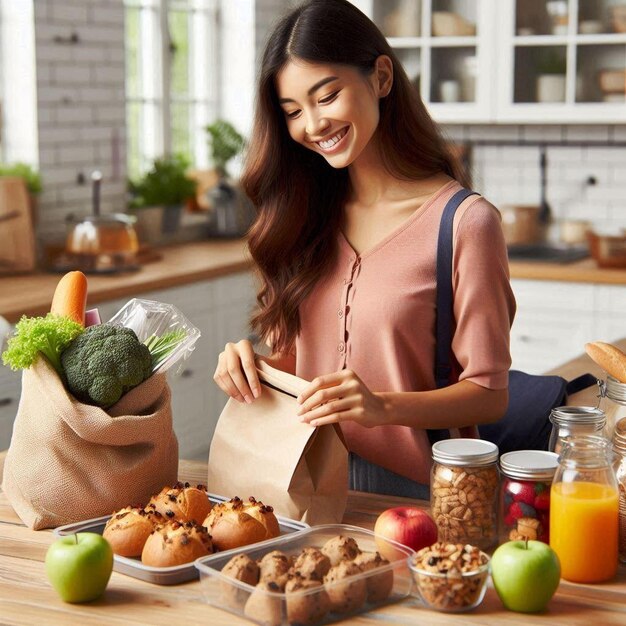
{"x":264,"y":450}
{"x":69,"y":461}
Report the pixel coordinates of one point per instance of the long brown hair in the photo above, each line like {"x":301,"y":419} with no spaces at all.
{"x":297,"y":194}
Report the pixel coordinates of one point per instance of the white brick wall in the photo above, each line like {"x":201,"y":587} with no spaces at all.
{"x":508,"y":175}
{"x":81,"y":109}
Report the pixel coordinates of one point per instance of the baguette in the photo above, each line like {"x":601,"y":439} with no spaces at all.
{"x":611,"y":359}
{"x":70,"y":297}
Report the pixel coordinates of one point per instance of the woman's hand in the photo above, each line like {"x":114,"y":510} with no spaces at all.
{"x":339,"y":397}
{"x":236,"y":373}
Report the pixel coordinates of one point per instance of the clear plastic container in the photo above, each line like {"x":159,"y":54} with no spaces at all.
{"x":464,"y":491}
{"x":525,"y":494}
{"x":160,"y":575}
{"x":572,"y":421}
{"x":149,"y":318}
{"x":309,"y":606}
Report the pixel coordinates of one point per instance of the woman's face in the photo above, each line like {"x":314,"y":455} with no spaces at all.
{"x":332,"y":109}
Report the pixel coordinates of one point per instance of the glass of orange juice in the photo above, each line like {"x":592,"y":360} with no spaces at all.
{"x":584,"y":510}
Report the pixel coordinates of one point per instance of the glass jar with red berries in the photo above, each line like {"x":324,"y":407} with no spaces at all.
{"x":525,"y":494}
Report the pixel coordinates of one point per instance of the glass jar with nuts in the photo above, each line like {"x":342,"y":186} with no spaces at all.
{"x":464,"y":491}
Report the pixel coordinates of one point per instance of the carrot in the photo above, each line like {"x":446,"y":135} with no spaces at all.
{"x":70,"y":297}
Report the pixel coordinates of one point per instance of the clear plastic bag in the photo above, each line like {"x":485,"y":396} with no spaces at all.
{"x":152,"y":320}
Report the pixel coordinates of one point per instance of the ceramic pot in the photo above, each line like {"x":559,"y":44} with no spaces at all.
{"x":551,"y":88}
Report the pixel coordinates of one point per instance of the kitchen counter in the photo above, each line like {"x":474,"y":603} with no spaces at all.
{"x":31,"y":294}
{"x":26,"y":597}
{"x":585,"y":271}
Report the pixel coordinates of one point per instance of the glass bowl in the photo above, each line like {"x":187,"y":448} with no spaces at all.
{"x":452,"y":592}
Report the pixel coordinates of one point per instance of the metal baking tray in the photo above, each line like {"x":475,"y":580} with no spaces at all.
{"x":232,"y":595}
{"x":161,"y":575}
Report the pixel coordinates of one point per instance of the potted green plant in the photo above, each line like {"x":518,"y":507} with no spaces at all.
{"x":31,"y":177}
{"x":231,"y":215}
{"x":32,"y":180}
{"x":551,"y":68}
{"x":157,"y":198}
{"x":225,"y":143}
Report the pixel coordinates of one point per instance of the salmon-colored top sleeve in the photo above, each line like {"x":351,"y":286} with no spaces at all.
{"x":484,"y":305}
{"x":374,"y":313}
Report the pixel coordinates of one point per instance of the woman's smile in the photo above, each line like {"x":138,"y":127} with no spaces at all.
{"x":334,"y":142}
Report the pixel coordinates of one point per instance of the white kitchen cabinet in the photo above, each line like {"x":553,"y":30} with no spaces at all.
{"x":220,"y":309}
{"x":561,"y":61}
{"x":446,"y":48}
{"x":555,"y":319}
{"x":484,"y":60}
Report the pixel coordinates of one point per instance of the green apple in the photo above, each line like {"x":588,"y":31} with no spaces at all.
{"x":525,"y":574}
{"x":79,"y":566}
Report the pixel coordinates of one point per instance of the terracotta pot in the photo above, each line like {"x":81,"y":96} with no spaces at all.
{"x":521,"y":224}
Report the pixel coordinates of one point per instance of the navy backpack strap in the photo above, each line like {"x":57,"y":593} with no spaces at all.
{"x":530,"y":397}
{"x":444,"y":311}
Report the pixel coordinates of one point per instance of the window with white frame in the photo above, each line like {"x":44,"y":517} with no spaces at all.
{"x":171,"y":79}
{"x":18,"y":124}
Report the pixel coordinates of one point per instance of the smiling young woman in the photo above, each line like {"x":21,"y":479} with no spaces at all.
{"x":349,"y":176}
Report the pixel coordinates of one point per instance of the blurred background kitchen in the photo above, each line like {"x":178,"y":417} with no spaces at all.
{"x":126,"y":120}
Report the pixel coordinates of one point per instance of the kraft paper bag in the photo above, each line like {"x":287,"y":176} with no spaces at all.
{"x":69,"y":461}
{"x":264,"y":450}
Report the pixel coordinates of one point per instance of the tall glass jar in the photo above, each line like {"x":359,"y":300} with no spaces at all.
{"x":584,"y":510}
{"x":525,"y":494}
{"x":569,"y":421}
{"x":619,"y":446}
{"x":615,"y":393}
{"x":464,"y":491}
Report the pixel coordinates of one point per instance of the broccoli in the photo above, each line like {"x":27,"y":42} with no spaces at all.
{"x":105,"y":362}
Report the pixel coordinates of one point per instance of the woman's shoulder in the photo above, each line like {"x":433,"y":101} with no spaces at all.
{"x":477,"y":211}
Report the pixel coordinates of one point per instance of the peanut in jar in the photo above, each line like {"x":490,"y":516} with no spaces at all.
{"x":464,"y":491}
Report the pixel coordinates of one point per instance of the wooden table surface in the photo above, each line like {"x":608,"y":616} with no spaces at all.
{"x":26,"y":597}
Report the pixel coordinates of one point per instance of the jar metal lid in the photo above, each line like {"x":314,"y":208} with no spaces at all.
{"x":615,"y":390}
{"x":532,"y":464}
{"x":465,"y":452}
{"x":571,"y":415}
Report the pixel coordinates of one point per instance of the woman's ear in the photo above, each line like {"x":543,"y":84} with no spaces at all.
{"x":383,"y":70}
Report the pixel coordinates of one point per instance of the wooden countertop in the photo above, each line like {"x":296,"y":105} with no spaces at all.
{"x":26,"y":597}
{"x":585,"y":271}
{"x":31,"y":294}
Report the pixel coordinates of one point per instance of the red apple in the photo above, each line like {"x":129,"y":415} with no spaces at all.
{"x":407,"y":525}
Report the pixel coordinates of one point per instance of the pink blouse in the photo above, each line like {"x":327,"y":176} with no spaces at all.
{"x":374,"y":313}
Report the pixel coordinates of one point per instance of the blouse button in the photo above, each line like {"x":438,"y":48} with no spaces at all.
{"x":341,"y":347}
{"x":340,"y":313}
